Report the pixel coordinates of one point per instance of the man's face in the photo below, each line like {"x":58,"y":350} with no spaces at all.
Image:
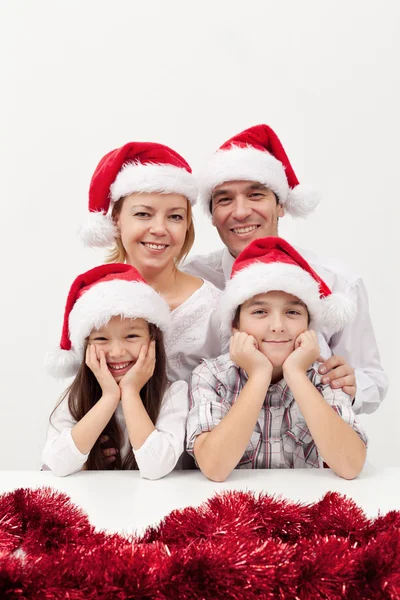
{"x":243,"y":211}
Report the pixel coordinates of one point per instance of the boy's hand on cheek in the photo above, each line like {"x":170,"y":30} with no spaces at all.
{"x":306,"y":352}
{"x":244,"y":351}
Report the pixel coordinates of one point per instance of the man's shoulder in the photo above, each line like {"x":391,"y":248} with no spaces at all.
{"x":336,"y":273}
{"x":207,"y":266}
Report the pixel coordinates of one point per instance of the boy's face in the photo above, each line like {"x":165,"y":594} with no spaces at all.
{"x":275,"y":320}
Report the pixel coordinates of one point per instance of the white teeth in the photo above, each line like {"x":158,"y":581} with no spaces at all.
{"x":244,"y":229}
{"x":156,"y":246}
{"x":119,"y":367}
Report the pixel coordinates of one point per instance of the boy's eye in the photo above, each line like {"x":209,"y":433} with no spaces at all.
{"x":293,"y":312}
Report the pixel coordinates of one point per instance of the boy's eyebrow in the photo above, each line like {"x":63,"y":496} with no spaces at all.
{"x":266,"y":303}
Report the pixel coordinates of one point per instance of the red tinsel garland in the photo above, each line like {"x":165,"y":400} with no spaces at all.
{"x":237,"y":545}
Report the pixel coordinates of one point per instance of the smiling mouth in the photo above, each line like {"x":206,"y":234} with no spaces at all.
{"x":153,"y":246}
{"x":277,"y":342}
{"x":115,"y":367}
{"x":244,"y":230}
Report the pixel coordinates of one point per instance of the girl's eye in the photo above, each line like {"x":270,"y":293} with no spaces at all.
{"x":132,"y":336}
{"x":99,"y":339}
{"x":260,"y":311}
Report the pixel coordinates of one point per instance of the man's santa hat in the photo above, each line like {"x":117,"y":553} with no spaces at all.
{"x":135,"y":167}
{"x":271,"y":264}
{"x":257,"y":154}
{"x":94,"y":298}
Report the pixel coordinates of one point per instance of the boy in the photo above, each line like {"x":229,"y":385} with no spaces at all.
{"x":263,"y":405}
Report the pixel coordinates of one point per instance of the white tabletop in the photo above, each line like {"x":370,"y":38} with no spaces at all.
{"x":122,"y":501}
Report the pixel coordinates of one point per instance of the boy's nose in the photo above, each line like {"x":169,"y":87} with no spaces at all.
{"x":276,"y":325}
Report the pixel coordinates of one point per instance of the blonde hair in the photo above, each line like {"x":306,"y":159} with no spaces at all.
{"x":117,"y":253}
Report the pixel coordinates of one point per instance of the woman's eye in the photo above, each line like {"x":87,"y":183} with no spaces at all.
{"x":176,"y":217}
{"x":142,"y":214}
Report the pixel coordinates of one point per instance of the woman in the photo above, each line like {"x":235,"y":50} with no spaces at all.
{"x":140,"y":202}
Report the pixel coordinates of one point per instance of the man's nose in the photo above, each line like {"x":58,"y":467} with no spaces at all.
{"x":241,"y":208}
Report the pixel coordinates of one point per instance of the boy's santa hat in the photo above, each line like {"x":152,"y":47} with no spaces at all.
{"x":135,"y":167}
{"x":257,"y":154}
{"x":271,"y":264}
{"x":94,"y":298}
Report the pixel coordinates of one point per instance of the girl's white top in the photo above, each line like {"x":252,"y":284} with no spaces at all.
{"x":194,"y":333}
{"x":155,"y":458}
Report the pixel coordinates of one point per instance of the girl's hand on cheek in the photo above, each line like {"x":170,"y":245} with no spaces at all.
{"x":96,"y":361}
{"x":138,"y":375}
{"x":244,"y":352}
{"x":306,"y":352}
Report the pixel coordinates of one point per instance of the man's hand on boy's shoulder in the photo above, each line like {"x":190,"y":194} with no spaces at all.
{"x":339,"y":374}
{"x":244,"y":352}
{"x":306,"y":352}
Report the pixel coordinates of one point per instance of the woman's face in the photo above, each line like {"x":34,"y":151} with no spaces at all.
{"x":153,"y":229}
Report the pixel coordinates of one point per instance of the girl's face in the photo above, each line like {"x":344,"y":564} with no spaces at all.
{"x":121,"y":340}
{"x":275,"y":319}
{"x":153,"y":229}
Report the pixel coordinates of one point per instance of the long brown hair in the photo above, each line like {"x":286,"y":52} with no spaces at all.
{"x":117,"y":253}
{"x":85,"y":391}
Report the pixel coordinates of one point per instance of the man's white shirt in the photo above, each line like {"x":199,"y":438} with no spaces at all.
{"x":355,"y":343}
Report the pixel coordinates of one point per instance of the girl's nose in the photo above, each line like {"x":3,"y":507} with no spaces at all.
{"x":116,"y":350}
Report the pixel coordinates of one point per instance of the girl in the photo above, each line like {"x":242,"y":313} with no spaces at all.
{"x":112,"y":340}
{"x":140,"y":201}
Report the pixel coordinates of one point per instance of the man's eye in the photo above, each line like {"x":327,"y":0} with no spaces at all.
{"x":223,"y":200}
{"x":256,"y":195}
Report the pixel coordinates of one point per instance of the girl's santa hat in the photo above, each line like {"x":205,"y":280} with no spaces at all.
{"x":271,"y":264}
{"x":257,"y":154}
{"x":136,"y":167}
{"x":94,"y":298}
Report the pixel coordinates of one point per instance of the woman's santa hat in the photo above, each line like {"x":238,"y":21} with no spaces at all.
{"x":94,"y":298}
{"x":271,"y":264}
{"x":257,"y":154}
{"x":135,"y":167}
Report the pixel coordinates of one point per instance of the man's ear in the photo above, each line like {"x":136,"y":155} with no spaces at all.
{"x":280,"y":211}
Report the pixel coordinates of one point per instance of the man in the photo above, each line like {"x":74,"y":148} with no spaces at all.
{"x":248,"y":185}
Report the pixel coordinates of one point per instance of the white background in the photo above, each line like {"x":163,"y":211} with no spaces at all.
{"x":80,"y":78}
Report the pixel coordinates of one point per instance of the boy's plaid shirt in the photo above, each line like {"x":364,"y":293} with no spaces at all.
{"x":281,"y":438}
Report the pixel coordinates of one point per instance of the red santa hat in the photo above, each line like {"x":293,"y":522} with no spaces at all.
{"x":257,"y":154}
{"x":94,"y":298}
{"x":135,"y":167}
{"x":271,"y":264}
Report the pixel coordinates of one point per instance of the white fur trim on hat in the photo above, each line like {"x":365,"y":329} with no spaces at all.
{"x":250,"y":164}
{"x":164,"y":179}
{"x":261,"y":278}
{"x":96,"y":307}
{"x":99,"y":231}
{"x":62,"y":363}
